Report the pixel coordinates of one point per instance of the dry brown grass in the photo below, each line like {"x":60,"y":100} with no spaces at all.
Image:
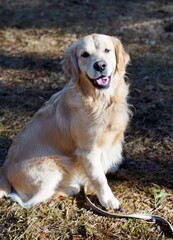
{"x":33,"y":36}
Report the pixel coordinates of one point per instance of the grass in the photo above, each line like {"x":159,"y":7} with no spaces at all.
{"x":33,"y":38}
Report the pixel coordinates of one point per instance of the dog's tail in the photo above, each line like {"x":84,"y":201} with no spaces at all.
{"x":5,"y":187}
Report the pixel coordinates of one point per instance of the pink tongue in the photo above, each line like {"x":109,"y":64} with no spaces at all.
{"x":102,"y":81}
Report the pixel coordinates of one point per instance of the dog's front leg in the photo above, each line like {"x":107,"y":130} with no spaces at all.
{"x":95,"y":173}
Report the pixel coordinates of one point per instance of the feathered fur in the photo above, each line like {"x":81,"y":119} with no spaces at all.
{"x":76,"y":137}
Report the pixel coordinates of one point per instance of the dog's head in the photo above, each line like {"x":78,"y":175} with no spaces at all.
{"x":96,"y":59}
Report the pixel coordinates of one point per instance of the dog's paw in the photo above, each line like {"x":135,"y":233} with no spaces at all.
{"x":71,"y":190}
{"x":16,"y":198}
{"x":109,"y":201}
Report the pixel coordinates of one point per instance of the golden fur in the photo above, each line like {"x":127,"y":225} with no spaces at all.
{"x":76,"y":137}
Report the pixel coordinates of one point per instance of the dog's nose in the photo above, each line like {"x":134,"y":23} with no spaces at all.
{"x":100,"y":66}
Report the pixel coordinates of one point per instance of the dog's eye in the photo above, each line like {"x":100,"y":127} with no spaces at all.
{"x":85,"y":54}
{"x":107,"y":50}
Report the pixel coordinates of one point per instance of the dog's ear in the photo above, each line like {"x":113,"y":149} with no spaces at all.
{"x":70,"y":64}
{"x":122,"y":57}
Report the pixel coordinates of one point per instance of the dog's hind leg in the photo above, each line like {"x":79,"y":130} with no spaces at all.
{"x":46,"y":191}
{"x":39,"y":197}
{"x":5,"y":187}
{"x":16,"y":198}
{"x":39,"y":183}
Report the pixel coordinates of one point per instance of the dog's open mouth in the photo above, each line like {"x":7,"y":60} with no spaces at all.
{"x":101,"y":82}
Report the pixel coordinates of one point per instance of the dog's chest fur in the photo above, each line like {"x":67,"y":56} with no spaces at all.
{"x":107,"y":131}
{"x":110,"y":141}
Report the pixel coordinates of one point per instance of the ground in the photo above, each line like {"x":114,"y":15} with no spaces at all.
{"x":33,"y":37}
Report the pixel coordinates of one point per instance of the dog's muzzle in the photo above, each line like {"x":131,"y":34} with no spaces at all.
{"x":101,"y":82}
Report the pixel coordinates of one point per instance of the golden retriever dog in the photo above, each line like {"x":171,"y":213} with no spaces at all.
{"x":76,"y":137}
